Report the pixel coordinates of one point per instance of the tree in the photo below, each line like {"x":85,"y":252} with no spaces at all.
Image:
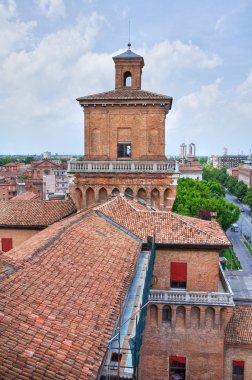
{"x":248,"y":198}
{"x":240,"y":190}
{"x":198,"y":198}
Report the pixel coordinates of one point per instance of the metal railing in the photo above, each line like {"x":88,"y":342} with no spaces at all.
{"x":122,"y":166}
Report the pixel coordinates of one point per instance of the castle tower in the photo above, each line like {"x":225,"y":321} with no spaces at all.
{"x":125,"y":142}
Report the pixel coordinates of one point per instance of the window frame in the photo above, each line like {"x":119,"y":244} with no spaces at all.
{"x":124,"y":146}
{"x":236,"y":365}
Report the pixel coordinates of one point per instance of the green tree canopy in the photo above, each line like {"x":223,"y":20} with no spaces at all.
{"x":195,"y":196}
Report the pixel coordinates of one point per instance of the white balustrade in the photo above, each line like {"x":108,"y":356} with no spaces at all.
{"x":121,"y":166}
{"x":183,"y":296}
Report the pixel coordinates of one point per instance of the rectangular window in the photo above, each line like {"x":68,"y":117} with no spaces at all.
{"x":178,"y":275}
{"x":124,"y":150}
{"x":238,"y":370}
{"x":6,"y":244}
{"x":177,"y":368}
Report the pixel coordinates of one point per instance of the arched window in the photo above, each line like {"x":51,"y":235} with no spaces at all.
{"x":127,"y":79}
{"x":166,"y":314}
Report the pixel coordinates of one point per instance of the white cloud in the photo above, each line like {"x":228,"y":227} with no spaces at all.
{"x":245,"y":89}
{"x":52,"y":8}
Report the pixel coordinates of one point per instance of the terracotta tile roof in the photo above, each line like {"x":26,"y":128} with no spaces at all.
{"x":239,"y":328}
{"x":168,"y":227}
{"x":125,"y":94}
{"x":34,"y":212}
{"x":25,"y":196}
{"x":61,"y":299}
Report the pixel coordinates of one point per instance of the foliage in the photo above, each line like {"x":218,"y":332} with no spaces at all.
{"x":248,"y":198}
{"x":214,"y":174}
{"x":203,"y":160}
{"x":7,"y":160}
{"x":232,"y":261}
{"x":240,"y":190}
{"x":28,"y":159}
{"x":195,"y":196}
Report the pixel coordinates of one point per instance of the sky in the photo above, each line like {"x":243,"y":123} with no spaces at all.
{"x":53,"y":51}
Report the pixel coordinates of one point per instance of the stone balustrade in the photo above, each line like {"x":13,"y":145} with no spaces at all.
{"x":186,"y":297}
{"x":122,"y":166}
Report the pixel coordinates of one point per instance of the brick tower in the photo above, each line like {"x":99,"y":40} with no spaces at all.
{"x":125,"y":142}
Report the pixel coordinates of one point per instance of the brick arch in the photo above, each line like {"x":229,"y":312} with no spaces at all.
{"x":154,"y":314}
{"x":167,"y":195}
{"x":129,"y":192}
{"x":141,"y":194}
{"x":78,"y":198}
{"x":127,"y":79}
{"x":103,"y":194}
{"x":180,"y":317}
{"x":90,"y":196}
{"x":195,"y":317}
{"x":223,"y":316}
{"x":155,"y":198}
{"x":115,"y":191}
{"x":210,"y":314}
{"x":166,"y":314}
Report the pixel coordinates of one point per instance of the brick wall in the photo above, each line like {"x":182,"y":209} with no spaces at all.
{"x":196,"y":333}
{"x":239,"y":353}
{"x":202,"y":269}
{"x":143,"y":126}
{"x":18,"y":236}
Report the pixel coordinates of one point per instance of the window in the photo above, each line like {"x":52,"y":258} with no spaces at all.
{"x":178,"y":275}
{"x":116,"y":357}
{"x":124,"y":150}
{"x":127,"y":79}
{"x":238,"y":370}
{"x":6,"y":244}
{"x":166,"y":314}
{"x":177,"y":368}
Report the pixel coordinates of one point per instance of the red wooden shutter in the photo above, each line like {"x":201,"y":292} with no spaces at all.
{"x":238,"y":363}
{"x":178,"y":272}
{"x":6,"y":244}
{"x":178,"y":359}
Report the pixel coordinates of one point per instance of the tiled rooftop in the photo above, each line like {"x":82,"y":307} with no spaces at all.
{"x":239,"y":329}
{"x":123,"y":94}
{"x":61,"y":288}
{"x":34,"y":212}
{"x":25,"y":196}
{"x":61,"y":301}
{"x":168,"y":227}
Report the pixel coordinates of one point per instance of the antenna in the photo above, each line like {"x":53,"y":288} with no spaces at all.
{"x":129,"y":44}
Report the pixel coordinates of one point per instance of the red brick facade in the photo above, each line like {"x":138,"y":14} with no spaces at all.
{"x":126,"y":118}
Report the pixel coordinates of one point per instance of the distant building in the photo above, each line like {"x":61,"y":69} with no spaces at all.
{"x":233,"y":172}
{"x":183,"y":151}
{"x":46,"y":155}
{"x":245,"y":174}
{"x":24,"y":216}
{"x":191,"y":151}
{"x":229,"y":161}
{"x":191,"y":169}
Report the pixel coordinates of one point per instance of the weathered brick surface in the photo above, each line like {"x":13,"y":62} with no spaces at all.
{"x":202,"y":269}
{"x":197,"y":336}
{"x":106,"y":126}
{"x":240,"y":353}
{"x":144,"y":186}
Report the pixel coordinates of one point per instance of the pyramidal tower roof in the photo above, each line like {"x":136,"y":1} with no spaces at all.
{"x":128,"y":54}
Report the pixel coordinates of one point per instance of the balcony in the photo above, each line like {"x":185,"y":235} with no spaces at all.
{"x":222,"y":298}
{"x":122,"y":166}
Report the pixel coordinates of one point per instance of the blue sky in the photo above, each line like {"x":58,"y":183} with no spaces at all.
{"x":53,"y":51}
